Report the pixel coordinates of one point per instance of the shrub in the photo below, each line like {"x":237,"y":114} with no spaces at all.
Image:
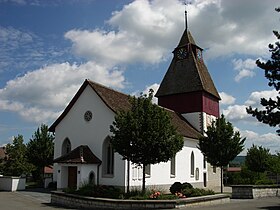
{"x":52,"y":185}
{"x":264,"y":182}
{"x":186,"y":185}
{"x":88,"y":189}
{"x":194,"y":192}
{"x":177,"y":187}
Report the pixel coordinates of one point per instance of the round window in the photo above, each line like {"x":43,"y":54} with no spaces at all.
{"x":88,"y":115}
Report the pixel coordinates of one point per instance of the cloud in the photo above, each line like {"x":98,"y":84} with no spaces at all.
{"x":226,"y":98}
{"x":244,"y":68}
{"x":144,"y":33}
{"x":22,"y":50}
{"x":236,"y":113}
{"x":146,"y":91}
{"x":267,"y":140}
{"x":40,"y":95}
{"x":147,"y":31}
{"x":255,"y":97}
{"x":141,"y":32}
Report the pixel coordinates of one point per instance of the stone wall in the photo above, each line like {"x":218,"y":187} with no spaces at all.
{"x":254,"y":191}
{"x":76,"y":201}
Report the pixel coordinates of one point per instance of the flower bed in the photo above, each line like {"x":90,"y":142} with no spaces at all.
{"x":77,"y":201}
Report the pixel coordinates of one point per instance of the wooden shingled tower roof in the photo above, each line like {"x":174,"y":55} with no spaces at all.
{"x":187,"y":75}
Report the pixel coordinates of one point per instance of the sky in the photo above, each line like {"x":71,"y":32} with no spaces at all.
{"x":48,"y":49}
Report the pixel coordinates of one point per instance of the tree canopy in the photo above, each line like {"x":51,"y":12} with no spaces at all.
{"x":271,"y":113}
{"x":40,"y":149}
{"x":144,"y":134}
{"x":16,"y":163}
{"x":221,"y":144}
{"x":257,"y":159}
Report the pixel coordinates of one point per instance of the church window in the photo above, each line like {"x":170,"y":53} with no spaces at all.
{"x":91,"y":178}
{"x":192,"y":164}
{"x":148,"y":170}
{"x":66,"y":147}
{"x":172,"y":166}
{"x":204,"y":162}
{"x":108,"y":158}
{"x":214,"y":169}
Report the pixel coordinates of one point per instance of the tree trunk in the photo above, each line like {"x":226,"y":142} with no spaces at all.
{"x":128,"y":176}
{"x":144,"y":178}
{"x":222,"y":171}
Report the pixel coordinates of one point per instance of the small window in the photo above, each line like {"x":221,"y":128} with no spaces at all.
{"x":214,"y":169}
{"x":172,"y":167}
{"x":204,"y":162}
{"x":192,"y":164}
{"x":197,"y":174}
{"x":148,"y":170}
{"x":205,"y":179}
{"x":91,"y":178}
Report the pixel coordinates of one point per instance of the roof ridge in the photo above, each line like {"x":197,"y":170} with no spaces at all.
{"x":103,"y":86}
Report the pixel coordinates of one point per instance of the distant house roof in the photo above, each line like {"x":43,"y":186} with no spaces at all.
{"x":233,"y":169}
{"x":81,"y":154}
{"x":2,"y":153}
{"x":118,"y":101}
{"x":187,"y":75}
{"x":48,"y":170}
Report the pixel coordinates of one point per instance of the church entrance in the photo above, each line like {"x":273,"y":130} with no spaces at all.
{"x":72,"y":176}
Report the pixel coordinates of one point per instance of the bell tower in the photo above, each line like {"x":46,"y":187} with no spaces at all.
{"x":187,"y":87}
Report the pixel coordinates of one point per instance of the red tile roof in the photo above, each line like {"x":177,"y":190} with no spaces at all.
{"x":81,"y":154}
{"x":117,"y":101}
{"x":48,"y":170}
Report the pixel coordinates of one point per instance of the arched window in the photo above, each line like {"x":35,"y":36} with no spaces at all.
{"x":91,"y":178}
{"x":108,"y":158}
{"x":66,"y":147}
{"x":192,"y":164}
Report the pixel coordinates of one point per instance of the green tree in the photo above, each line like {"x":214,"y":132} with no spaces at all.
{"x":40,"y":151}
{"x":221,"y":144}
{"x":257,"y":159}
{"x":271,"y":113}
{"x":274,"y":165}
{"x":16,"y":163}
{"x":144,"y":134}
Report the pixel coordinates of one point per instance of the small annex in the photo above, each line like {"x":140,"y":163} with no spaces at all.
{"x":83,"y":152}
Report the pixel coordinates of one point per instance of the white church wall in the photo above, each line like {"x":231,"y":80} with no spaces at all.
{"x":160,"y":174}
{"x":92,"y":133}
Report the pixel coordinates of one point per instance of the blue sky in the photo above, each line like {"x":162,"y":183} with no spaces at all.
{"x":48,"y":48}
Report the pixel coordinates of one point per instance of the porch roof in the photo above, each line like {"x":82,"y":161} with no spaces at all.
{"x":82,"y":155}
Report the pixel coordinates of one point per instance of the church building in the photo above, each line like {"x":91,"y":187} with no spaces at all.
{"x":83,"y":152}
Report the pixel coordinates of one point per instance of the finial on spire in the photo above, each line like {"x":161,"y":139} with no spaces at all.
{"x":186,"y":13}
{"x":186,"y":18}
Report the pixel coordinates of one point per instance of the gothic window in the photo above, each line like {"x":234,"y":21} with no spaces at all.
{"x":66,"y":147}
{"x":108,"y":158}
{"x":192,"y":164}
{"x":172,"y":166}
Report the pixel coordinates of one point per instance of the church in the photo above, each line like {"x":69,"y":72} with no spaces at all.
{"x":83,"y":153}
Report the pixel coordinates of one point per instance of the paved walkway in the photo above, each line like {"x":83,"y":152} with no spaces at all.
{"x":40,"y":199}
